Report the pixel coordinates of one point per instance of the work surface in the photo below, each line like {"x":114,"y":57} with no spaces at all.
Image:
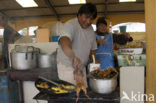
{"x":71,"y":98}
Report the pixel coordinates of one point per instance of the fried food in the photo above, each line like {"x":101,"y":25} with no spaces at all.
{"x":134,"y":44}
{"x":67,"y":86}
{"x":59,"y":90}
{"x":43,"y":85}
{"x":103,"y":74}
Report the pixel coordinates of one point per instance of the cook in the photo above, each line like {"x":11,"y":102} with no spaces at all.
{"x":76,"y":42}
{"x":105,"y":41}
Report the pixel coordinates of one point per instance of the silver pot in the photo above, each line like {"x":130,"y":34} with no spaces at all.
{"x":22,"y":60}
{"x":45,"y":60}
{"x":103,"y":86}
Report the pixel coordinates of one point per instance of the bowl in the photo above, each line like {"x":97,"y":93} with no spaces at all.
{"x":103,"y":86}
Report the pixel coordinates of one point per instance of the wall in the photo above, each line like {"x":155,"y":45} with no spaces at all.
{"x":138,"y":36}
{"x":115,"y":19}
{"x":22,"y":23}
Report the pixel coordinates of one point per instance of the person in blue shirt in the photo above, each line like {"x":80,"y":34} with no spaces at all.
{"x":105,"y":41}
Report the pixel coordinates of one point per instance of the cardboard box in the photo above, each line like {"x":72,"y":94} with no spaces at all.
{"x":132,"y":60}
{"x":42,"y":35}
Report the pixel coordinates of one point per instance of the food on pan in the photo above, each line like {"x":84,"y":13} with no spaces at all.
{"x":59,"y":90}
{"x":43,"y":85}
{"x":67,"y":86}
{"x":103,"y":74}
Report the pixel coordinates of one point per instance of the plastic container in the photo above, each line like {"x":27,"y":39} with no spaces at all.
{"x":93,"y":66}
{"x":55,"y":38}
{"x":122,"y":29}
{"x":130,"y":50}
{"x":131,"y":60}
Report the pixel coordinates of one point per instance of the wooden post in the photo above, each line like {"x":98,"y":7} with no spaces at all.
{"x":150,"y":18}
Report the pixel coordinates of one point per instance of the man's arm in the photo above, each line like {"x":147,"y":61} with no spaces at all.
{"x":67,"y":49}
{"x":122,"y":38}
{"x":66,"y":46}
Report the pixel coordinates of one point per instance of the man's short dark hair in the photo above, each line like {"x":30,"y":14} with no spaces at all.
{"x":101,"y":20}
{"x":89,"y":9}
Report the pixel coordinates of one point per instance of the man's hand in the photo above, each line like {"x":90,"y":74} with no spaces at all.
{"x":76,"y":62}
{"x":67,"y":49}
{"x":127,"y":35}
{"x":78,"y":74}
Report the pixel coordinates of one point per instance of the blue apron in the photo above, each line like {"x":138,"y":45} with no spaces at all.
{"x":104,"y":53}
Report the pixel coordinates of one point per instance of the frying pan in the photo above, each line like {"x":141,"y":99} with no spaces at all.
{"x":50,"y":85}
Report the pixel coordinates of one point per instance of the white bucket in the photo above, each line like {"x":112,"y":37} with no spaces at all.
{"x":93,"y":66}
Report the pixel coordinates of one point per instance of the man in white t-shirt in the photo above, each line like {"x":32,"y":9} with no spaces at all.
{"x":76,"y":42}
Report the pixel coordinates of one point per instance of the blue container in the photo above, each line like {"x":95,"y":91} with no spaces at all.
{"x":8,"y":89}
{"x":55,"y":38}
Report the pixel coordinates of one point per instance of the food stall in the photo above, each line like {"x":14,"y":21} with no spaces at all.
{"x":40,"y":95}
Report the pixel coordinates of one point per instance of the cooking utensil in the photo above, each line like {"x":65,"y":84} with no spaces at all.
{"x":45,"y":60}
{"x":56,"y":84}
{"x":22,"y":59}
{"x":103,"y":86}
{"x":103,"y":82}
{"x":49,"y":91}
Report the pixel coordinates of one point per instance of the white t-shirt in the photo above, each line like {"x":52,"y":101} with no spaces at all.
{"x":83,"y":40}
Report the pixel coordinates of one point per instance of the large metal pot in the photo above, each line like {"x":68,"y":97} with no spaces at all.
{"x":22,"y":60}
{"x":103,"y":86}
{"x":45,"y":60}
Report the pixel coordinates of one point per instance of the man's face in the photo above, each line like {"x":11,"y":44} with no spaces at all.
{"x":85,"y":20}
{"x":102,"y":28}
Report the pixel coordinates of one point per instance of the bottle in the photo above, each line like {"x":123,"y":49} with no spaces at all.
{"x":110,"y":27}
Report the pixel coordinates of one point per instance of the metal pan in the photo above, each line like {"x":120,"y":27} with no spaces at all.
{"x":50,"y":85}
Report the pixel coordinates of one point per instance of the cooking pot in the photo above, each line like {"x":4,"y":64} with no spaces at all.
{"x":25,"y":58}
{"x":45,"y":60}
{"x":103,"y":86}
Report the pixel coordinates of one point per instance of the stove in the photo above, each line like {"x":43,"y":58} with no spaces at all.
{"x":71,"y":98}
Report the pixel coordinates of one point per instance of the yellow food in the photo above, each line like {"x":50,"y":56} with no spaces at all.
{"x":67,"y":86}
{"x":134,"y":44}
{"x":59,"y":90}
{"x":43,"y":85}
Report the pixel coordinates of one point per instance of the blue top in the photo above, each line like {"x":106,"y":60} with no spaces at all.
{"x":104,"y":53}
